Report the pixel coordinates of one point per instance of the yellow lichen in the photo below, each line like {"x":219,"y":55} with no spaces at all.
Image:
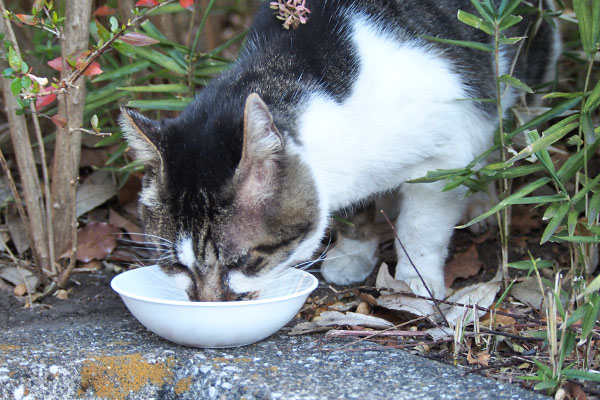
{"x":113,"y":377}
{"x":183,"y":385}
{"x":9,"y":347}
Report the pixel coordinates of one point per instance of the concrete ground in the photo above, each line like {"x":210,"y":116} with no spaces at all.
{"x":89,"y":347}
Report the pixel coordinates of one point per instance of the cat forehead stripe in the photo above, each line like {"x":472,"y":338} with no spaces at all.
{"x":185,"y":252}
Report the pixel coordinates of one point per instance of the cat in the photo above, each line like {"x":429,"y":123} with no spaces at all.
{"x":326,"y":117}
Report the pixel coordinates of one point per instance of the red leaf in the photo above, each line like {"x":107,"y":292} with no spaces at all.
{"x":138,"y":39}
{"x":59,"y":121}
{"x":93,"y":69}
{"x":104,"y":11}
{"x":57,"y":64}
{"x":186,"y":3}
{"x":146,"y":3}
{"x":27,"y":19}
{"x":44,"y":101}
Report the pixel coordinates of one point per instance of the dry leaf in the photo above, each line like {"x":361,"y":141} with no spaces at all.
{"x":96,"y":241}
{"x":306,"y":327}
{"x":400,"y":302}
{"x":18,"y":276}
{"x":335,"y":318}
{"x":482,"y":294}
{"x":17,"y":232}
{"x":463,"y":265}
{"x":574,"y":391}
{"x":135,"y":232}
{"x":62,"y":294}
{"x":386,"y":281}
{"x":90,"y":196}
{"x":528,"y":292}
{"x":499,"y":320}
{"x":440,"y":332}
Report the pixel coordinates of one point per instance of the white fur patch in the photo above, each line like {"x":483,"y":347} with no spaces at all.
{"x":185,"y":252}
{"x":149,"y":195}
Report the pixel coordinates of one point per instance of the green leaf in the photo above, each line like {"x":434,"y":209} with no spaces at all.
{"x":593,"y":99}
{"x":584,"y":18}
{"x":594,"y":207}
{"x":596,"y":21}
{"x":522,"y":192}
{"x":575,"y":162}
{"x":555,"y":222}
{"x":572,"y":221}
{"x":577,"y":374}
{"x":550,"y":211}
{"x":586,"y":188}
{"x":114,"y":24}
{"x":510,"y":20}
{"x":163,"y":88}
{"x":161,"y":104}
{"x":588,"y":128}
{"x":462,"y":43}
{"x":159,"y":58}
{"x":548,"y":115}
{"x":543,"y":142}
{"x":539,"y":199}
{"x":475,"y":22}
{"x":14,"y":60}
{"x":126,"y":70}
{"x":578,"y":314}
{"x":109,"y":140}
{"x":546,"y":384}
{"x":591,"y":315}
{"x":529,"y":264}
{"x":512,"y":40}
{"x":103,"y":33}
{"x":574,"y":239}
{"x":487,"y":13}
{"x":516,"y":83}
{"x":507,"y":7}
{"x":15,"y":86}
{"x":593,"y":286}
{"x":566,"y":95}
{"x":94,"y":121}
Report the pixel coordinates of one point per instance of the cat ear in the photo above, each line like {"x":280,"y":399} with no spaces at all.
{"x":259,"y":166}
{"x":262,"y":140}
{"x":142,"y":134}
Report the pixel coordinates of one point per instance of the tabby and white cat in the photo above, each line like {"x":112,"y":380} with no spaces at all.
{"x":318,"y":119}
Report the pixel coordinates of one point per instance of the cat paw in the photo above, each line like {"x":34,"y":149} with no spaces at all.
{"x":350,"y":261}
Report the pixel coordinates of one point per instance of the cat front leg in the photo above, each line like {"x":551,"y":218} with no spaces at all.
{"x":355,"y":252}
{"x":426,"y":220}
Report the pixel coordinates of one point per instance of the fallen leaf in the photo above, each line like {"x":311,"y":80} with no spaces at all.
{"x":135,"y":232}
{"x":363,"y":308}
{"x":130,"y":190}
{"x":482,"y":294}
{"x":90,"y":196}
{"x":385,"y":280}
{"x":340,"y":306}
{"x":335,"y":318}
{"x":400,"y":302}
{"x":93,"y":157}
{"x":440,"y":332}
{"x":463,"y":265}
{"x":17,"y":232}
{"x":306,"y":327}
{"x":138,"y":39}
{"x":499,"y":320}
{"x":18,"y":276}
{"x":528,"y":292}
{"x":524,"y":220}
{"x":62,"y":294}
{"x":96,"y":241}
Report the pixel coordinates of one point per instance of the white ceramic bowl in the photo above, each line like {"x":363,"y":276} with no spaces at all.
{"x":149,"y":295}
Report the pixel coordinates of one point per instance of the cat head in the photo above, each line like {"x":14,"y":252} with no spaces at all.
{"x":224,"y":201}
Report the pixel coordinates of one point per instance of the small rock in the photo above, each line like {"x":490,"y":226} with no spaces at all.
{"x":62,"y":294}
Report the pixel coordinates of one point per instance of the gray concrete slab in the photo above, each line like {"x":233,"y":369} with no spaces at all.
{"x":98,"y":350}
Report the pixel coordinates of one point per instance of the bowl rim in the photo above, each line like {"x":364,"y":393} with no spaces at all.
{"x":313,"y":285}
